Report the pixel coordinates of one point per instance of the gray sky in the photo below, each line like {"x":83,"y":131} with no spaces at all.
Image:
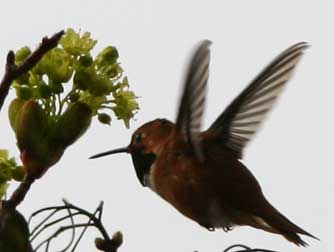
{"x":291,"y":156}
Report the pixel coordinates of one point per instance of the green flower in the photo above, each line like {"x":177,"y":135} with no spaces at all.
{"x":108,"y":56}
{"x":126,"y":105}
{"x":8,"y":167}
{"x":96,"y":82}
{"x":5,"y":167}
{"x":44,"y":91}
{"x":85,"y":60}
{"x":57,"y":65}
{"x":86,"y":78}
{"x":106,"y":62}
{"x":48,"y":116}
{"x":22,"y":54}
{"x":83,"y":77}
{"x":94,"y":102}
{"x":76,"y":45}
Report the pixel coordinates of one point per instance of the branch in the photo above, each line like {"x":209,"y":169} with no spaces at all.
{"x":245,"y":249}
{"x":13,"y":71}
{"x":19,"y":194}
{"x":94,"y":220}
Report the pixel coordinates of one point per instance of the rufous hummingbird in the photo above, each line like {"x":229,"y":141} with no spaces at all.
{"x":200,"y":172}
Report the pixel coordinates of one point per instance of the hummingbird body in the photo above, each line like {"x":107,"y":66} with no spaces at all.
{"x":218,"y":193}
{"x":199,"y":172}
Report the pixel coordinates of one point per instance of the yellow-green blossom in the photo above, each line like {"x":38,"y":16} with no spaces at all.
{"x":76,"y":45}
{"x":49,"y":115}
{"x":22,"y":54}
{"x":126,"y":105}
{"x":57,"y":65}
{"x":8,"y":170}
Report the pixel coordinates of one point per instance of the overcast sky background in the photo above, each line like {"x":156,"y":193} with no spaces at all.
{"x":291,"y":156}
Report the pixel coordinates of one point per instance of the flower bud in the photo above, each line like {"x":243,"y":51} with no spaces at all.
{"x":56,"y":86}
{"x":18,"y":173}
{"x":22,"y":54}
{"x":24,"y":92}
{"x":104,"y":118}
{"x":86,"y":60}
{"x":109,"y":245}
{"x":32,"y":127}
{"x":99,"y":86}
{"x":74,"y":97}
{"x":44,"y":91}
{"x":99,"y":243}
{"x":108,"y":56}
{"x":72,"y":124}
{"x":14,"y":107}
{"x":83,"y":77}
{"x":31,"y":124}
{"x":117,"y":238}
{"x":14,"y":231}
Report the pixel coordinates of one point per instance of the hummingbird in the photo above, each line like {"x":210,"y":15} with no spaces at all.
{"x":201,"y":173}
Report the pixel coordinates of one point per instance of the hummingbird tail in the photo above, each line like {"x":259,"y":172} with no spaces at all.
{"x":284,"y":226}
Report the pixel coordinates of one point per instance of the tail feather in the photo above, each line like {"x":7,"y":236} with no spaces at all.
{"x":284,"y":226}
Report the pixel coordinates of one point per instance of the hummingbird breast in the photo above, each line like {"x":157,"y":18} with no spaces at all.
{"x":214,"y":193}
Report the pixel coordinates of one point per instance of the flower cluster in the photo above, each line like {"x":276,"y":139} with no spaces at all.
{"x":58,"y":98}
{"x":97,"y":82}
{"x":8,"y":170}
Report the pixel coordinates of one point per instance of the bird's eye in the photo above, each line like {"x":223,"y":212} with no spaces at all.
{"x":138,"y":137}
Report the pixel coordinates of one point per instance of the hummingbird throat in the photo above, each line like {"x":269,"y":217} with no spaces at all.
{"x":143,"y":163}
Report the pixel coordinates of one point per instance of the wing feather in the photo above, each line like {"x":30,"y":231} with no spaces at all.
{"x":190,"y":113}
{"x":242,"y":118}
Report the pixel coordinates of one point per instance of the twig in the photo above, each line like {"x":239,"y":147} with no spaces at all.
{"x":98,"y":211}
{"x":94,"y":220}
{"x":245,"y":249}
{"x":13,"y":71}
{"x":19,"y":194}
{"x":92,"y":217}
{"x":41,"y":223}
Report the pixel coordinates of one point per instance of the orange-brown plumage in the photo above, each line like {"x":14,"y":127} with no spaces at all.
{"x":222,"y":182}
{"x":201,"y":173}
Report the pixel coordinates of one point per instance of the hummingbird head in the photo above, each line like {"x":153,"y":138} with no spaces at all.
{"x":146,"y":144}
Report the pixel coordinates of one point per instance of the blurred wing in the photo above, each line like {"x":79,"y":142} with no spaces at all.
{"x":191,"y":108}
{"x":239,"y":122}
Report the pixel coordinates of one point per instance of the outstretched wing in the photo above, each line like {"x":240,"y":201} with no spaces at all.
{"x":192,"y":103}
{"x":239,"y":122}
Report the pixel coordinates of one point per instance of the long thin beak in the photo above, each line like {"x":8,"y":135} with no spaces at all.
{"x":119,"y":150}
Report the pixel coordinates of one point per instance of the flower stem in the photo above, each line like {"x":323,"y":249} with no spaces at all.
{"x":19,"y":194}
